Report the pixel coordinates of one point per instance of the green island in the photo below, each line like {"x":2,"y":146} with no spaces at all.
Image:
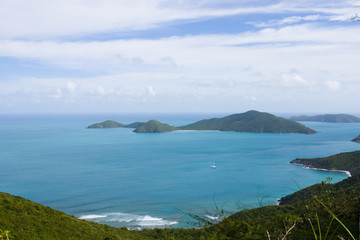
{"x":107,"y":124}
{"x":114,"y":124}
{"x":154,"y":126}
{"x":335,"y":118}
{"x":251,"y":121}
{"x":357,"y":139}
{"x":325,"y":208}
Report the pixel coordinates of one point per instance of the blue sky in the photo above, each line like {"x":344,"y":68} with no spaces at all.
{"x":75,"y":56}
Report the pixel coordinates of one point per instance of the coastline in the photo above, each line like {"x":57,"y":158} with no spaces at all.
{"x":330,"y":170}
{"x":323,"y":169}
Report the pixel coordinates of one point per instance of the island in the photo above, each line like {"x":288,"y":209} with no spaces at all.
{"x":154,"y":126}
{"x":347,"y":161}
{"x":335,"y":118}
{"x":134,"y":125}
{"x":114,"y":124}
{"x":106,"y":124}
{"x":357,"y":139}
{"x":251,"y":121}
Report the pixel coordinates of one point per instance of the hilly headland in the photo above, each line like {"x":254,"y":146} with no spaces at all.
{"x":251,"y":121}
{"x":347,"y":161}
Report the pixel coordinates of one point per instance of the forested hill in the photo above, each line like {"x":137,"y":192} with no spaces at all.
{"x":251,"y":121}
{"x":154,"y":126}
{"x":29,"y":220}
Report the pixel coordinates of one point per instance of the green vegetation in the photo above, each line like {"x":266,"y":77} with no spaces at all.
{"x":113,"y":124}
{"x":107,"y":124}
{"x":348,"y":161}
{"x":347,"y":186}
{"x":251,"y":121}
{"x":336,"y":118}
{"x":28,"y":220}
{"x":4,"y":234}
{"x":134,"y":125}
{"x":357,"y":139}
{"x":154,"y":126}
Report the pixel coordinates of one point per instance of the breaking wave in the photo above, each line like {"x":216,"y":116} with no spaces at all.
{"x":130,"y":221}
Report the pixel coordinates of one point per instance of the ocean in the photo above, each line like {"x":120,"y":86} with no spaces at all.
{"x":134,"y":180}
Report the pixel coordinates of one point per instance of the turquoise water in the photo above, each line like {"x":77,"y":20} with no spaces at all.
{"x":121,"y":178}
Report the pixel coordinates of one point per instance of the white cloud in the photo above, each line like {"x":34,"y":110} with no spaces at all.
{"x":288,"y":20}
{"x":191,"y":52}
{"x":293,"y":79}
{"x":151,"y":91}
{"x":40,"y":19}
{"x":251,"y":98}
{"x":55,"y":93}
{"x":333,"y":85}
{"x":48,"y":19}
{"x":71,"y":86}
{"x":250,"y":68}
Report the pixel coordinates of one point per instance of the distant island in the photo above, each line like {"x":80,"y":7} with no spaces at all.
{"x":335,"y":118}
{"x":113,"y":124}
{"x":251,"y":121}
{"x":154,"y":126}
{"x":347,"y":161}
{"x":357,"y":139}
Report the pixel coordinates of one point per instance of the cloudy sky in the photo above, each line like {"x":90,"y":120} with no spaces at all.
{"x":118,"y":56}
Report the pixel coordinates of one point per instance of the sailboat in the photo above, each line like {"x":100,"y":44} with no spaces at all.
{"x":213,"y":164}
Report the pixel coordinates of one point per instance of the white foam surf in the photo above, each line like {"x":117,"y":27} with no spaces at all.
{"x":90,"y":217}
{"x":212,"y":217}
{"x":132,"y":221}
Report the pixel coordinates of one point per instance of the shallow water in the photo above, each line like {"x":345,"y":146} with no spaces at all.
{"x":121,"y":178}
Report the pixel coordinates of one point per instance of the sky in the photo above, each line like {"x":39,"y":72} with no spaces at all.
{"x":179,"y":56}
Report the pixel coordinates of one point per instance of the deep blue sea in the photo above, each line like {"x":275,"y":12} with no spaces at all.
{"x":133,"y":180}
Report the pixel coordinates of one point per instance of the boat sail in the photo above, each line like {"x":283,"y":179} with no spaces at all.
{"x":213,"y":165}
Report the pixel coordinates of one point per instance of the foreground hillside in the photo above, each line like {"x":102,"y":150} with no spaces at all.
{"x":28,"y":220}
